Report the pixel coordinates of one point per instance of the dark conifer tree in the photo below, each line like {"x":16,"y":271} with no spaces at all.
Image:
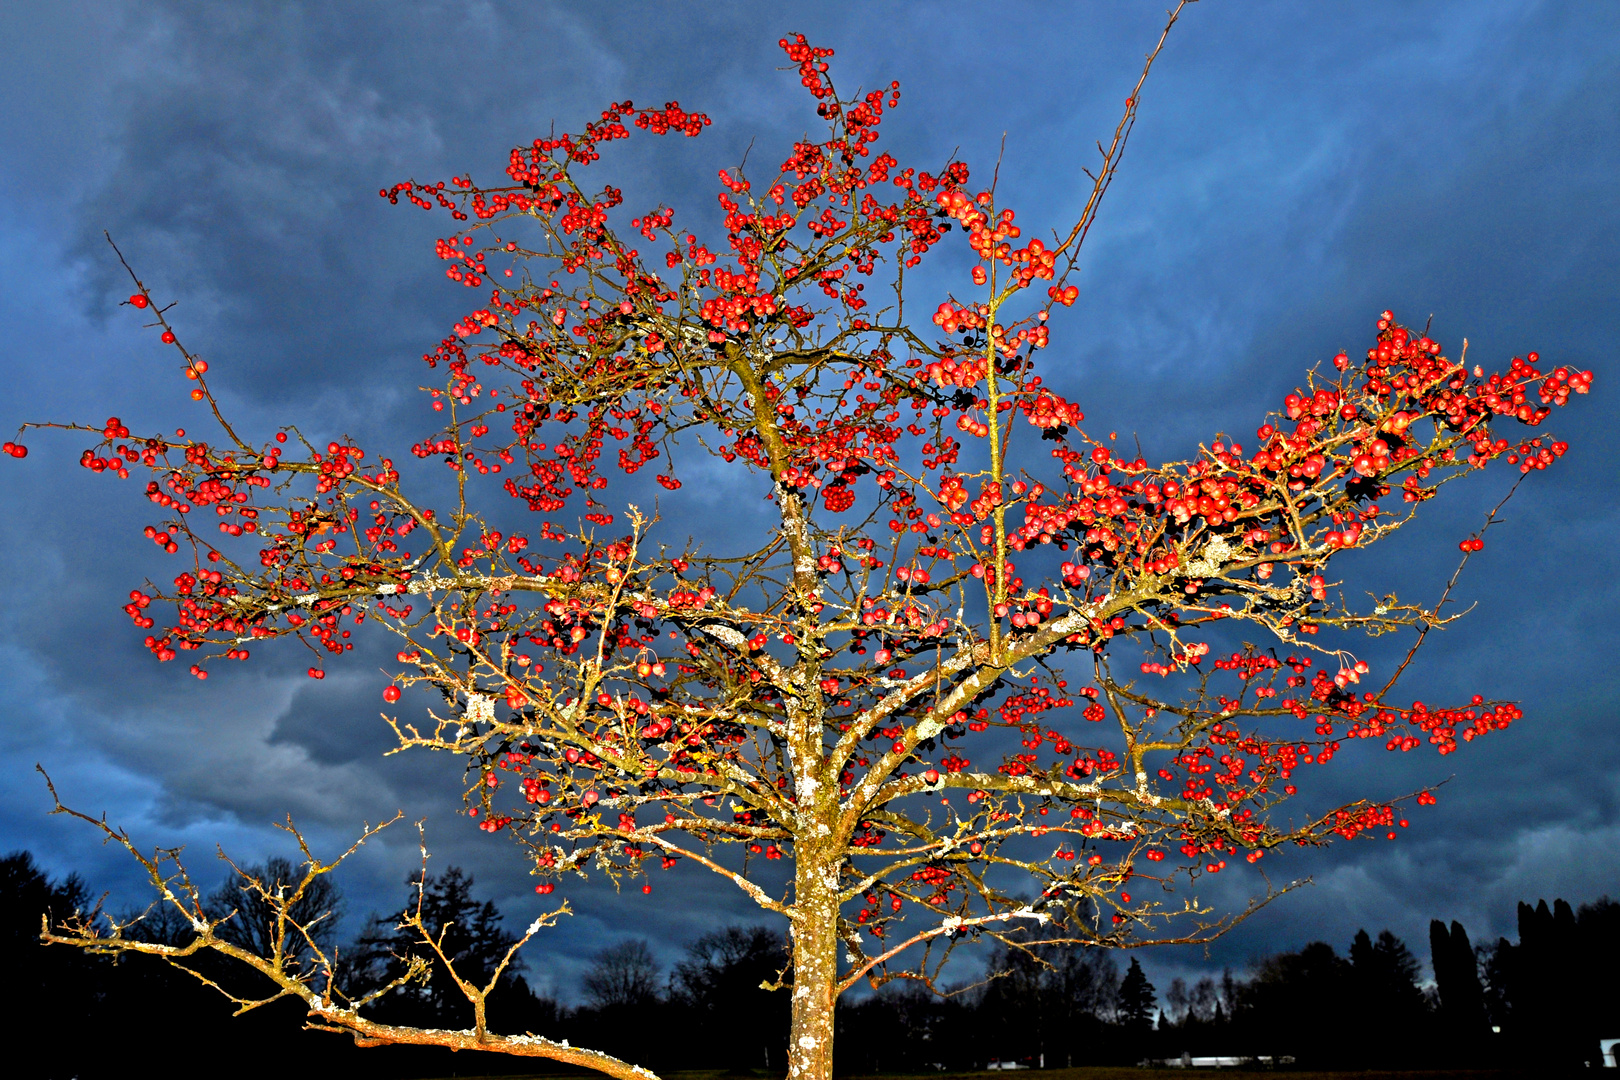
{"x":1468,"y":995}
{"x":1440,"y":958}
{"x":56,"y":987}
{"x":471,"y":935}
{"x":1462,"y":1020}
{"x":1543,"y":1002}
{"x":1138,"y":1002}
{"x":1384,"y":979}
{"x":1596,"y":973}
{"x":1499,"y":965}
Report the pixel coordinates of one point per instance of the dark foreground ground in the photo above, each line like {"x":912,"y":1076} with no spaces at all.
{"x":1120,"y":1073}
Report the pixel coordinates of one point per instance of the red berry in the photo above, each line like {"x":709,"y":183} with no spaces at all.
{"x":391,"y":694}
{"x":138,"y":300}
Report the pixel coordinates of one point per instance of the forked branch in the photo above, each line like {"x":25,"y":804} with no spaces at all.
{"x":316,"y":984}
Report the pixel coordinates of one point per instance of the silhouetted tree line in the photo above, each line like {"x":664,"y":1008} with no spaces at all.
{"x":1542,"y":1003}
{"x":1543,"y":1000}
{"x":1556,"y":991}
{"x":100,"y":1017}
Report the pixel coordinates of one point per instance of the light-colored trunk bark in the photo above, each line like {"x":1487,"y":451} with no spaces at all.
{"x":815,"y":971}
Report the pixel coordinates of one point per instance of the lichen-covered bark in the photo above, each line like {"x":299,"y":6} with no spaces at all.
{"x":815,"y":968}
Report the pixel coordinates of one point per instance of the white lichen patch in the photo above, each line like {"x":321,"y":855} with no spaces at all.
{"x":480,"y":709}
{"x":726,"y":634}
{"x":1215,"y":556}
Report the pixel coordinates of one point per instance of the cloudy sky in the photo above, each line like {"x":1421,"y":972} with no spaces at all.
{"x":1296,"y":168}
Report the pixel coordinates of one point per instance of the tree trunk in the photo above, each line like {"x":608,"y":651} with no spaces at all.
{"x":815,"y":969}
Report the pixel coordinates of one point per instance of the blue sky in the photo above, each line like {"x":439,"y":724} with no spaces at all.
{"x":1296,"y":169}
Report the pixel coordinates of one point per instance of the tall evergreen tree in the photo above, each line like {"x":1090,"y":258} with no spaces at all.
{"x":1499,"y":969}
{"x":1462,"y":997}
{"x":1360,"y":952}
{"x":470,"y":934}
{"x":1554,"y":993}
{"x":1596,"y":978}
{"x":1566,"y":1007}
{"x":1137,"y":999}
{"x":1468,"y":1004}
{"x":1387,"y":970}
{"x":1384,"y":978}
{"x":1440,"y":958}
{"x":56,"y":986}
{"x":1530,"y":974}
{"x":1541,"y":996}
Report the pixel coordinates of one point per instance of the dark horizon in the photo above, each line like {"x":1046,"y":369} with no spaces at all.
{"x":1535,"y":1007}
{"x":1295,"y":170}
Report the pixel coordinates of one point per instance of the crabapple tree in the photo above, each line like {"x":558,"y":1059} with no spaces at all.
{"x":965,"y":685}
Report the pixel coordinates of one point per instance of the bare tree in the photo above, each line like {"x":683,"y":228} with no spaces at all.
{"x":250,"y":918}
{"x":623,"y":976}
{"x":724,"y":984}
{"x":179,"y":929}
{"x":467,"y":932}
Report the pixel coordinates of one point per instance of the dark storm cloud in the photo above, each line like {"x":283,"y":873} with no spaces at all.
{"x":337,"y":726}
{"x":1296,"y":169}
